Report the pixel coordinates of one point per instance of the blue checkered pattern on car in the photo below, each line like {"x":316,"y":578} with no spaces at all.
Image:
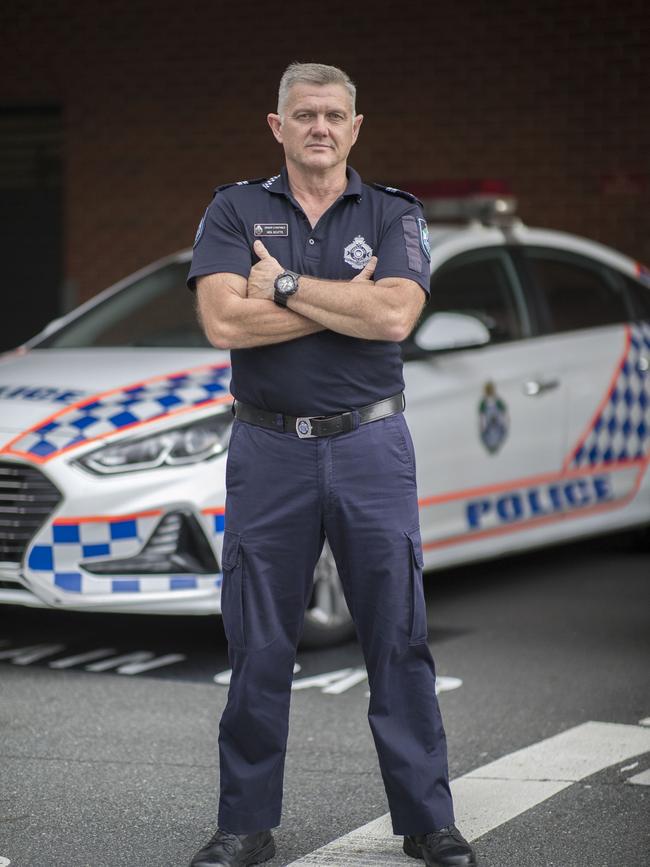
{"x":219,"y":523}
{"x":107,"y":413}
{"x":621,"y":430}
{"x":59,"y":548}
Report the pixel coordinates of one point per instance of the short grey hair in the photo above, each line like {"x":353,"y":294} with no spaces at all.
{"x":314,"y":73}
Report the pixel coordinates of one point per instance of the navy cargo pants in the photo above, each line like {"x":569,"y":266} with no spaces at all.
{"x":284,"y":495}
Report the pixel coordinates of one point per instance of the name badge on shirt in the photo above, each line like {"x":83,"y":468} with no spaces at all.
{"x":268,"y":230}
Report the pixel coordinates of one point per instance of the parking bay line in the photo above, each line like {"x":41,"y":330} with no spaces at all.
{"x":497,"y":792}
{"x":33,"y":653}
{"x":88,"y":656}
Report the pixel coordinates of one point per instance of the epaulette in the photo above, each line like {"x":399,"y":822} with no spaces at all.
{"x":239,"y":184}
{"x":393,"y":191}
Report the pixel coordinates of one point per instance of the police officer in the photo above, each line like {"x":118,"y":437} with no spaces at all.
{"x":311,"y":278}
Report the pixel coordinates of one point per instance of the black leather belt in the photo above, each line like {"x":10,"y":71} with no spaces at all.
{"x":322,"y":425}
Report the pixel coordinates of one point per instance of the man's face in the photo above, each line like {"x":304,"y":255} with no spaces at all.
{"x":317,"y":128}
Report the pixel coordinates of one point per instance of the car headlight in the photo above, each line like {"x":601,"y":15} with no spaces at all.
{"x":189,"y":444}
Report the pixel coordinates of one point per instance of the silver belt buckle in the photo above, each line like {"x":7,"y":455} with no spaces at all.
{"x":303,"y":428}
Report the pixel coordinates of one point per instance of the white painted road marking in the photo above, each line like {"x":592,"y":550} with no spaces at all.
{"x":158,"y":662}
{"x":337,"y":682}
{"x":128,"y":663}
{"x":80,"y":658}
{"x":499,"y":791}
{"x":4,"y":862}
{"x":446,"y":684}
{"x":642,"y":779}
{"x":116,"y":661}
{"x":27,"y":655}
{"x":332,"y":682}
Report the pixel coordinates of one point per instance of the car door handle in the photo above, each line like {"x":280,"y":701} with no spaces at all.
{"x":535,"y":387}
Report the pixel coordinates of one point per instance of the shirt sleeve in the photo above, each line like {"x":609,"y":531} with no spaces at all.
{"x":220,"y":244}
{"x":404,"y":248}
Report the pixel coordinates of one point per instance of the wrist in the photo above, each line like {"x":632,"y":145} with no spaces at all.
{"x":285,"y":285}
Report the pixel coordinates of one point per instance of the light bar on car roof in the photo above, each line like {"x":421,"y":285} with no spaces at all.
{"x":454,"y":200}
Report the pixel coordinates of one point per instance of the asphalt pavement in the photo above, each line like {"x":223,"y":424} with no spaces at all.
{"x":109,"y":725}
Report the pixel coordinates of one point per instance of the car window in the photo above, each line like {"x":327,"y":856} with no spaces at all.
{"x":156,"y":310}
{"x":481,"y":284}
{"x":577,"y":291}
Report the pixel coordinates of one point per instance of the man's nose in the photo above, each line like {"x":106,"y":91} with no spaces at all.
{"x":319,"y":126}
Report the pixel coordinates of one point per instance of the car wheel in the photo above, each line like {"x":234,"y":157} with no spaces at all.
{"x":327,"y":619}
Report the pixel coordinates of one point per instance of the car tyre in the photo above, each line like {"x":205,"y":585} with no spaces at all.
{"x":327,"y":619}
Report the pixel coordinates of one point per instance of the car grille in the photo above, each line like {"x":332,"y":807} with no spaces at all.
{"x":27,"y":497}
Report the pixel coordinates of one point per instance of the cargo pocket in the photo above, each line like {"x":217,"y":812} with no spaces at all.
{"x":232,"y":607}
{"x":418,"y":631}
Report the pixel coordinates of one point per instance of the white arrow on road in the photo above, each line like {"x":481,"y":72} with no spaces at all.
{"x":337,"y":682}
{"x":332,"y":682}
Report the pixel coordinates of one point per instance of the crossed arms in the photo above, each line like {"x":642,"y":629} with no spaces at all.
{"x":237,"y":313}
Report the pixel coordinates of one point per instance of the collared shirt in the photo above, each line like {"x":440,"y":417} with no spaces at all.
{"x":326,"y":372}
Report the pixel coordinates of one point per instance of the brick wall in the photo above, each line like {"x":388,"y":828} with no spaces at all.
{"x":164,"y":100}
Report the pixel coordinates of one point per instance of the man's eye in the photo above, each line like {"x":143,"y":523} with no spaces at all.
{"x":336,"y":116}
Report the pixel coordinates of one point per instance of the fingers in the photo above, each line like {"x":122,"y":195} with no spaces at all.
{"x":260,"y":250}
{"x":368,"y":270}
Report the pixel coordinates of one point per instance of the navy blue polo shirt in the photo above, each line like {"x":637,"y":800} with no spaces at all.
{"x":326,"y":372}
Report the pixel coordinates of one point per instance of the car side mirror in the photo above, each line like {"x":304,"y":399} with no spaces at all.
{"x":451,"y":331}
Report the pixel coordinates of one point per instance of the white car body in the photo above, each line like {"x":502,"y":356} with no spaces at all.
{"x":567,"y":458}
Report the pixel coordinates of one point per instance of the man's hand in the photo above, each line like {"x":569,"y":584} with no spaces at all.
{"x":262,"y":275}
{"x":367,"y":272}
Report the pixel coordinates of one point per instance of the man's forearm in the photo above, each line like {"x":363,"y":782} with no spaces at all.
{"x":256,"y":322}
{"x":359,"y":308}
{"x":382,"y":310}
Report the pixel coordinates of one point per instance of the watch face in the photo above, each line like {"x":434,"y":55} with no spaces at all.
{"x":286,"y":283}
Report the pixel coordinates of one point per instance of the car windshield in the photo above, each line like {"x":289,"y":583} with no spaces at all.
{"x":156,"y":310}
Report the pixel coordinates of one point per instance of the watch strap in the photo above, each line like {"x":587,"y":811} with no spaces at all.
{"x":279,"y":297}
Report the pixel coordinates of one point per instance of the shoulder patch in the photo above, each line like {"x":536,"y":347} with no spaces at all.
{"x":201,"y":229}
{"x":424,"y":238}
{"x":239,"y":184}
{"x":394,"y":191}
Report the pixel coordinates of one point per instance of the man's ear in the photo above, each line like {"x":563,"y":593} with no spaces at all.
{"x":275,"y":122}
{"x":356,"y":126}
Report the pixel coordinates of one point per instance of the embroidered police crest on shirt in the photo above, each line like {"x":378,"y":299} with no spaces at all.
{"x":358,"y":253}
{"x":494,"y":421}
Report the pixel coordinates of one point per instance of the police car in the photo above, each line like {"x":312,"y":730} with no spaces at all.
{"x":528,"y":397}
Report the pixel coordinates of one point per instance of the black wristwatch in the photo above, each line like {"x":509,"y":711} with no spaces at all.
{"x":286,"y":284}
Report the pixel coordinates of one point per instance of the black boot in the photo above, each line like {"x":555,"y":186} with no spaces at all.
{"x":444,"y":848}
{"x":235,"y":850}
